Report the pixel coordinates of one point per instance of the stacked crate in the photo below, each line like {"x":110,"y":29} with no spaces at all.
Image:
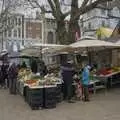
{"x":59,"y":93}
{"x":50,"y":96}
{"x":34,"y":97}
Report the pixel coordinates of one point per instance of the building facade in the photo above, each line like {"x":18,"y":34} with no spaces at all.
{"x":28,"y":31}
{"x":105,"y":15}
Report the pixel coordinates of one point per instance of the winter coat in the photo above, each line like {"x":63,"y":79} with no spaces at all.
{"x":85,"y":76}
{"x":67,"y":72}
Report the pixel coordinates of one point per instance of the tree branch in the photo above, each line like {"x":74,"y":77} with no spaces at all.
{"x":53,"y":8}
{"x":89,"y":7}
{"x":84,"y":3}
{"x":35,"y":4}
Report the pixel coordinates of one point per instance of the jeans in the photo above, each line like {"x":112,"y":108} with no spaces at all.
{"x":86,"y":92}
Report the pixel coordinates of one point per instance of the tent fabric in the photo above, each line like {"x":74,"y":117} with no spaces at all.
{"x":91,"y":43}
{"x":38,"y":49}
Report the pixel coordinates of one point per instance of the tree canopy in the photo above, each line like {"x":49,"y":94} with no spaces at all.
{"x":75,"y":11}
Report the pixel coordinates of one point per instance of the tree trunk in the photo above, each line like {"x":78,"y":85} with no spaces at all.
{"x":73,"y":25}
{"x":61,"y":34}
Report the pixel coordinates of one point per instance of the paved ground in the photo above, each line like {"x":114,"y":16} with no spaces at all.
{"x":103,"y":106}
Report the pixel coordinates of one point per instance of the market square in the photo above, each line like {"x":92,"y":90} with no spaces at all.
{"x":60,"y":59}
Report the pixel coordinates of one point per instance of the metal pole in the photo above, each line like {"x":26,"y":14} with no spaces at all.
{"x":2,"y":40}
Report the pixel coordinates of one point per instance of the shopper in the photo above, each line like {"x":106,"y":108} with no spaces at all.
{"x":67,"y":72}
{"x":12,"y":75}
{"x":4,"y":75}
{"x":24,"y":65}
{"x":85,"y":82}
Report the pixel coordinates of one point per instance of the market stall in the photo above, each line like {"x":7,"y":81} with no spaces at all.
{"x":39,"y":92}
{"x":111,"y":76}
{"x":89,"y":46}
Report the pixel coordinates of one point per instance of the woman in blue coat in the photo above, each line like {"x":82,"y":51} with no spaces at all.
{"x":85,"y":82}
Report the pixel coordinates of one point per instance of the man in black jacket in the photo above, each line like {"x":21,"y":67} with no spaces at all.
{"x":67,"y":75}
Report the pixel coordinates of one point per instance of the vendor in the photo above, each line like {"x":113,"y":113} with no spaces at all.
{"x":23,"y":65}
{"x":67,"y":72}
{"x":34,"y":66}
{"x":43,"y":69}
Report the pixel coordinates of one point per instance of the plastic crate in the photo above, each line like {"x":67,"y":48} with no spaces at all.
{"x":34,"y":97}
{"x":50,"y":97}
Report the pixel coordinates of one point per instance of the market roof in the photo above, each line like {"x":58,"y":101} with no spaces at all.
{"x":37,"y":49}
{"x":91,"y":43}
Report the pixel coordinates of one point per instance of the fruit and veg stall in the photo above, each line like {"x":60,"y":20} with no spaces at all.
{"x":110,"y":76}
{"x":39,"y":92}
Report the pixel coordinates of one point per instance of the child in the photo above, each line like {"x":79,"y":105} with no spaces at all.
{"x":78,"y":89}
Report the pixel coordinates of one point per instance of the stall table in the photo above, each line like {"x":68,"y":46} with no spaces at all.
{"x":109,"y":79}
{"x":96,"y":85}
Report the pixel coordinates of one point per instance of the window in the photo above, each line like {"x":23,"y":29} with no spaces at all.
{"x":50,"y":37}
{"x":103,"y":23}
{"x":15,"y":33}
{"x":5,"y":33}
{"x":29,"y":34}
{"x":19,"y":32}
{"x":16,"y":21}
{"x":9,"y":33}
{"x":38,"y":28}
{"x":19,"y":21}
{"x":22,"y":42}
{"x":89,"y":25}
{"x":53,"y":58}
{"x":102,"y":11}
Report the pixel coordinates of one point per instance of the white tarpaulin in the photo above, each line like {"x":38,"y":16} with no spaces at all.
{"x":37,"y":49}
{"x":91,"y":43}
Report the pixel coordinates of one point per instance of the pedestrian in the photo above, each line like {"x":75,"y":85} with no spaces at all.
{"x":85,"y":82}
{"x":12,"y":75}
{"x":67,"y":72}
{"x":3,"y":75}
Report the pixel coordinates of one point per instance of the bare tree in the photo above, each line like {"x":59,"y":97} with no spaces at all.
{"x":63,"y":36}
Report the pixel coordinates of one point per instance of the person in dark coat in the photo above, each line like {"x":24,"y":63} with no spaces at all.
{"x":12,"y":75}
{"x":43,"y":69}
{"x":23,"y":65}
{"x":67,"y":71}
{"x":34,"y":66}
{"x":4,"y":75}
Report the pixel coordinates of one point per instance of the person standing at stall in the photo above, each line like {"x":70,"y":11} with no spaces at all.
{"x":12,"y":75}
{"x":67,"y":72}
{"x":85,"y":82}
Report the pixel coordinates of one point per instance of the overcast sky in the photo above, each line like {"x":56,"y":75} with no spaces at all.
{"x":31,"y":12}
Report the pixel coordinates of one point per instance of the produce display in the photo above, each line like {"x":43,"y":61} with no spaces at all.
{"x":26,"y":76}
{"x":107,"y":71}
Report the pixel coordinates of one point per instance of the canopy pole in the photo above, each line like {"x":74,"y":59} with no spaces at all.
{"x":89,"y":56}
